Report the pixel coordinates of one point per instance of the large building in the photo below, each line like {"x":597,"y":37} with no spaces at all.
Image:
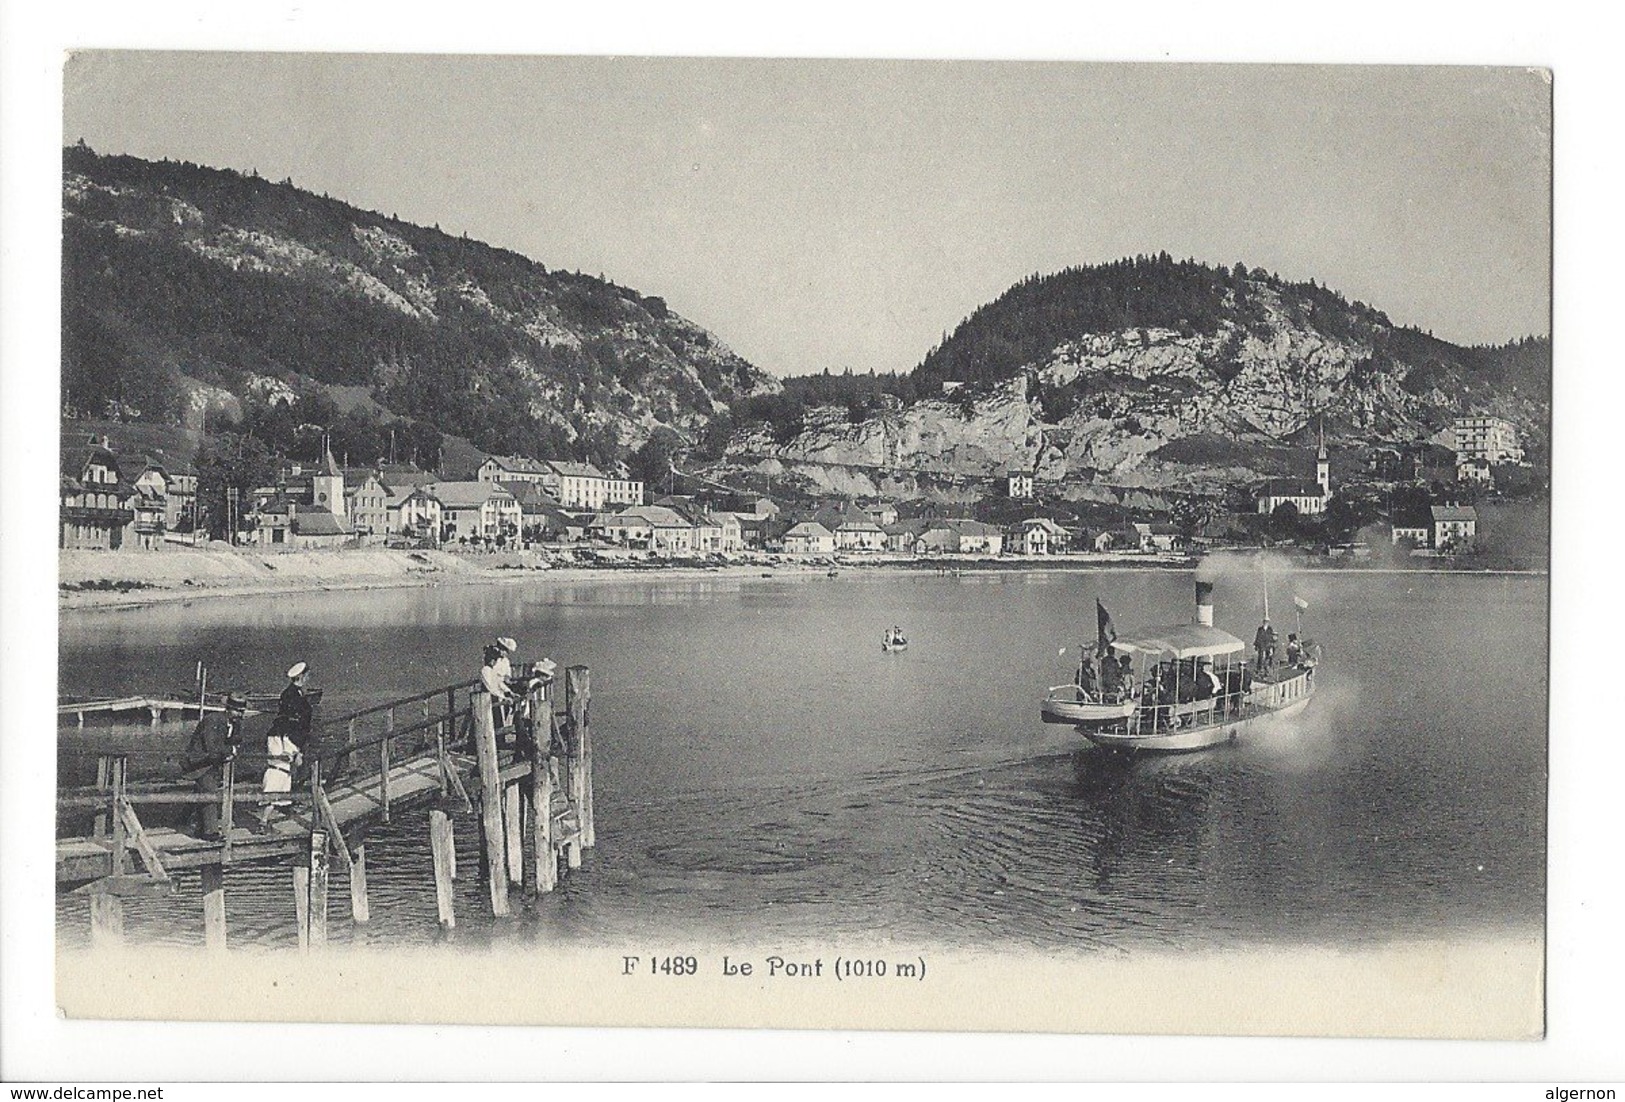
{"x":1491,"y":439}
{"x":573,"y":485}
{"x":95,"y":502}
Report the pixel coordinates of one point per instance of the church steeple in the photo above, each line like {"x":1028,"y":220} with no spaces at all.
{"x":1323,"y":467}
{"x":327,"y":486}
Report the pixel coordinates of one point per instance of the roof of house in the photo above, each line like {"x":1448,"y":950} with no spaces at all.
{"x":1046,"y":524}
{"x":396,"y":476}
{"x":78,"y":454}
{"x":809,"y":529}
{"x":533,"y":500}
{"x":313,"y":520}
{"x":517,"y":463}
{"x":466,"y":495}
{"x":973,"y":528}
{"x":1163,"y":528}
{"x":1290,"y":487}
{"x":1455,"y":512}
{"x":655,"y":516}
{"x":864,"y":525}
{"x":566,"y":468}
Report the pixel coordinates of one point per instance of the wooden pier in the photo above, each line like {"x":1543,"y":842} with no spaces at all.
{"x":436,"y":754}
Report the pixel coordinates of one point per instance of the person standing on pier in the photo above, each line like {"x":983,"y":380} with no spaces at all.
{"x":214,"y":742}
{"x":285,"y":741}
{"x":492,"y":681}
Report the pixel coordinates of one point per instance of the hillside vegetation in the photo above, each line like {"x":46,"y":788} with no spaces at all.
{"x":206,"y":297}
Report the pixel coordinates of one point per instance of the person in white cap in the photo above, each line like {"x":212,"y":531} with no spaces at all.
{"x":285,"y":741}
{"x":293,"y":709}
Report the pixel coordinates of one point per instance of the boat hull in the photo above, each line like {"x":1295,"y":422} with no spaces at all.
{"x":1261,"y":715}
{"x":894,"y":646}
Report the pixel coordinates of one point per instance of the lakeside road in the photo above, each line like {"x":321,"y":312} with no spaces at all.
{"x":129,"y":579}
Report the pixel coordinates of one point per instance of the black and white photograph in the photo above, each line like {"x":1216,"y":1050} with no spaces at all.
{"x":864,"y":543}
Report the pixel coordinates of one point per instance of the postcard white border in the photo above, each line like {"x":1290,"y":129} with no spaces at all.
{"x":1584,"y":834}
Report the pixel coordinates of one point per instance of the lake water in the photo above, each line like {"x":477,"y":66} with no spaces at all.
{"x":764,"y":772}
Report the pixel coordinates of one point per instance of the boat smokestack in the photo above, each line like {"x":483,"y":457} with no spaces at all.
{"x":1204,"y":603}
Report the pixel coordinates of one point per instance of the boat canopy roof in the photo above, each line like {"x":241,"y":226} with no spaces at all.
{"x":1181,"y":641}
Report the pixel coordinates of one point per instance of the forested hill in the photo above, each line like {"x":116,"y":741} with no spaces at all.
{"x":1025,"y":325}
{"x":1131,"y":371}
{"x":192,"y":294}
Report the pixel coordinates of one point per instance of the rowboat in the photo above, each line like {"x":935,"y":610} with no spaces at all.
{"x":1186,"y":687}
{"x":1069,"y":704}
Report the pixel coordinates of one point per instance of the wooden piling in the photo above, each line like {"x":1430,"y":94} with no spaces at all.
{"x":228,"y":804}
{"x":383,"y":761}
{"x":578,"y":702}
{"x":485,"y":748}
{"x":213,"y":885}
{"x":513,"y":838}
{"x":318,"y":889}
{"x":443,"y":846}
{"x":121,"y":853}
{"x":544,"y":858}
{"x":301,"y":904}
{"x":104,"y":780}
{"x":360,"y":909}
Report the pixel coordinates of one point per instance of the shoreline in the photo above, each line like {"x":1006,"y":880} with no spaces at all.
{"x":124,"y":580}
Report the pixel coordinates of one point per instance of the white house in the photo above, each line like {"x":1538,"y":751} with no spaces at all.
{"x":412,"y":511}
{"x":809,"y":538}
{"x":1455,"y":527}
{"x":976,"y":538}
{"x":1041,"y":536}
{"x":860,"y":535}
{"x":1019,"y":484}
{"x":476,"y":509}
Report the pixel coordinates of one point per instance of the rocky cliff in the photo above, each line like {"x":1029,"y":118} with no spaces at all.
{"x":1168,"y":400}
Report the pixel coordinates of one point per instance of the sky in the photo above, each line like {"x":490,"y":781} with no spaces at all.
{"x":846,"y":214}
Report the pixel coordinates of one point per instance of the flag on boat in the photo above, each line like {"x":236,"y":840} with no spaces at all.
{"x":1300,"y":602}
{"x":1106,"y":633}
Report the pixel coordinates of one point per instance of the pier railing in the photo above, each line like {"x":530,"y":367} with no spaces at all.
{"x":443,"y":746}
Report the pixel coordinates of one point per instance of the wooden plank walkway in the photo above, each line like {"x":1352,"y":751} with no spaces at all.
{"x":123,"y":858}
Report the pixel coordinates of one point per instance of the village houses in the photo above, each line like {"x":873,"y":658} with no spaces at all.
{"x":476,"y":510}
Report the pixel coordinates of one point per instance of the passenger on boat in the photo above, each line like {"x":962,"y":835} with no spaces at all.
{"x":1088,"y":684}
{"x":1294,"y":649}
{"x":214,"y":742}
{"x":1111,"y":680}
{"x":1264,"y":644}
{"x":1208,"y":686}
